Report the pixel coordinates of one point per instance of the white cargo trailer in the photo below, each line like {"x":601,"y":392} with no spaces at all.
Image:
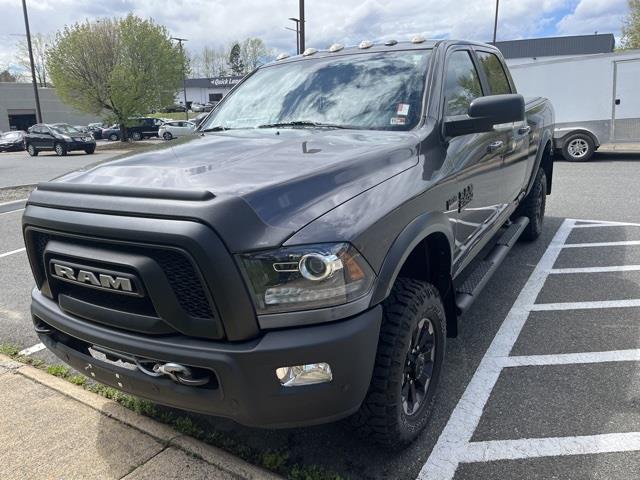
{"x":596,"y":98}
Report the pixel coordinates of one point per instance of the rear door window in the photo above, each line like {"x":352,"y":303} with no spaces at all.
{"x":492,"y":67}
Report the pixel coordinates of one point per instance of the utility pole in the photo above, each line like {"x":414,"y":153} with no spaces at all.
{"x":301,"y":18}
{"x":297,"y":30}
{"x":495,"y":23}
{"x":33,"y":68}
{"x":184,"y":78}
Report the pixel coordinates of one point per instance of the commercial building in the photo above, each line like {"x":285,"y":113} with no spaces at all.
{"x":203,"y":90}
{"x":18,"y":107}
{"x":530,"y":50}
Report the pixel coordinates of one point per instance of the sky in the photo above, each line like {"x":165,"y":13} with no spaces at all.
{"x":219,"y":22}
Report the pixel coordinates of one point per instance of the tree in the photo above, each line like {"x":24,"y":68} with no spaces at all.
{"x":39,"y":45}
{"x":235,"y":60}
{"x":209,"y":62}
{"x":122,"y":67}
{"x":254,"y":53}
{"x":631,"y":26}
{"x":7,"y":76}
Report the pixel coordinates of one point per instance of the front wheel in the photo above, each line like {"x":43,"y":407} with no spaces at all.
{"x":167,"y":135}
{"x":407,"y":367}
{"x":31,"y":150}
{"x":90,"y":150}
{"x":578,"y":148}
{"x":60,"y":149}
{"x":533,"y":207}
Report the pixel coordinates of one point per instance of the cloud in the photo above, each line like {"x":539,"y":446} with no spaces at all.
{"x":589,"y":16}
{"x":219,"y":22}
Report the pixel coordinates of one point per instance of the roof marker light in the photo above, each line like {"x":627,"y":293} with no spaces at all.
{"x":309,"y":51}
{"x":282,"y":56}
{"x":390,"y":43}
{"x":336,"y":47}
{"x":417,"y":39}
{"x":365,"y":44}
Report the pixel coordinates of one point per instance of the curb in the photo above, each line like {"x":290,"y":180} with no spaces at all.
{"x":159,"y":431}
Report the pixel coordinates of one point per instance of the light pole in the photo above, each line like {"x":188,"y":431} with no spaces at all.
{"x":301,"y":23}
{"x":184,"y":78}
{"x":33,"y":68}
{"x":297,"y":30}
{"x":495,"y":22}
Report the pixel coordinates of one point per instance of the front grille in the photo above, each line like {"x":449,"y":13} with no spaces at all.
{"x":184,"y":281}
{"x":180,"y":272}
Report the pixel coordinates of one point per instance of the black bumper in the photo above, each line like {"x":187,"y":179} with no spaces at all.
{"x":247,"y":388}
{"x":80,"y":145}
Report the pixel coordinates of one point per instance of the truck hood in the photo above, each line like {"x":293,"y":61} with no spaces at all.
{"x":288,"y":176}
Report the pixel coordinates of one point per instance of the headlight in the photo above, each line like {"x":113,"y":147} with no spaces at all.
{"x":306,"y":277}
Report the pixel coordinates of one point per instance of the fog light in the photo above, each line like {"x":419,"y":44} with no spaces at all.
{"x":304,"y":374}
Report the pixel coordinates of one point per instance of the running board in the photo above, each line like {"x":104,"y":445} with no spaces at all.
{"x":475,"y":282}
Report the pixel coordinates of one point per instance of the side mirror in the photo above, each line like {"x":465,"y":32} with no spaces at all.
{"x":484,"y":113}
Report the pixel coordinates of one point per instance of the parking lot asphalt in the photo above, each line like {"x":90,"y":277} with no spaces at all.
{"x":18,"y":168}
{"x":543,"y":380}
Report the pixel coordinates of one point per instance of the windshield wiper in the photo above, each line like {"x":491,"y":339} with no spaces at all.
{"x":302,"y":123}
{"x":217,"y":128}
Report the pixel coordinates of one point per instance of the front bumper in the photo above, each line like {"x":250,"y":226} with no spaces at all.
{"x":247,"y":389}
{"x":80,"y":144}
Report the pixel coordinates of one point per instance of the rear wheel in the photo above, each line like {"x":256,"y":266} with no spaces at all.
{"x":60,"y":149}
{"x":113,"y":137}
{"x":137,"y":136}
{"x":408,"y":365}
{"x":32,"y":150}
{"x":578,"y":148}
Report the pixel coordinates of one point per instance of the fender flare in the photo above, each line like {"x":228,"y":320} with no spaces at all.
{"x":558,"y":142}
{"x":547,"y":136}
{"x":414,"y":233}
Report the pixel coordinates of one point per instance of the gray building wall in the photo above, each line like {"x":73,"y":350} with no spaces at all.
{"x":18,"y":98}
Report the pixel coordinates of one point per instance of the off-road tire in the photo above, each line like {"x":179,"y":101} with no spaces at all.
{"x":60,"y":149}
{"x":382,"y":417}
{"x":533,"y":207}
{"x":578,"y":148}
{"x":32,"y":151}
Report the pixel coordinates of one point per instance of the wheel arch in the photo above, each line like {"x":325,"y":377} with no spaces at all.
{"x":560,"y":141}
{"x":423,"y":251}
{"x":544,"y":159}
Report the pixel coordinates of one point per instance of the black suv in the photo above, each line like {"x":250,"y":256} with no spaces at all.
{"x":59,"y":137}
{"x":144,"y":128}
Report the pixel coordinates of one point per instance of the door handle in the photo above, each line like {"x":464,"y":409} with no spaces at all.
{"x":524,"y":130}
{"x":493,"y":146}
{"x":617,"y":101}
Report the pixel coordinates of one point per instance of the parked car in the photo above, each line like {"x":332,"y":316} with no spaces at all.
{"x":210,"y":106}
{"x":173,"y":108}
{"x":176,"y":128}
{"x":96,"y":130}
{"x":197,"y":107}
{"x":82,"y":128}
{"x":304,"y":258}
{"x":199,"y":118}
{"x":12,"y":141}
{"x":59,"y":137}
{"x":111,"y":133}
{"x":144,"y":127}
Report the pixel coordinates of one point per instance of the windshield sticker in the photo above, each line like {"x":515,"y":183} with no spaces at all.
{"x":403,"y":109}
{"x":398,"y":121}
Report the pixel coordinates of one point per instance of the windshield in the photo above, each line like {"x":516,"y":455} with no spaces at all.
{"x":11,"y":135}
{"x":362,"y":91}
{"x":64,"y":129}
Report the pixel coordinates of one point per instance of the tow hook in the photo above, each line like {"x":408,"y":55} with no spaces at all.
{"x":180,"y":374}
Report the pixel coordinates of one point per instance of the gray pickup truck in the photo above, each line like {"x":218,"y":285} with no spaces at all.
{"x":305,"y":255}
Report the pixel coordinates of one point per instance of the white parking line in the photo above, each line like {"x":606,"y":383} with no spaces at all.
{"x":601,"y":223}
{"x":545,"y":307}
{"x":620,"y":268}
{"x":454,"y":439}
{"x":13,"y":201}
{"x":12,"y":252}
{"x":551,"y":447}
{"x":573,"y":358}
{"x":625,"y":243}
{"x":30,"y":350}
{"x":12,"y":211}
